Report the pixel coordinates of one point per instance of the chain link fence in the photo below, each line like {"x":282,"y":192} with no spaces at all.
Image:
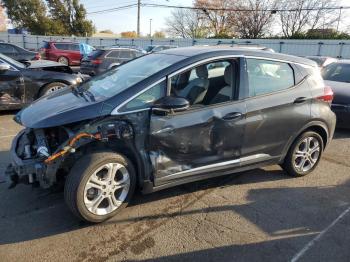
{"x":332,"y":48}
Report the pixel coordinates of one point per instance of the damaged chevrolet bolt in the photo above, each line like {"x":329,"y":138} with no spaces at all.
{"x":170,"y":118}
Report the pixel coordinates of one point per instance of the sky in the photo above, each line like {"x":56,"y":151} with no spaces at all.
{"x":125,"y":20}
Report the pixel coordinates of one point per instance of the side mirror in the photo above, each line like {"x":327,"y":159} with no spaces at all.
{"x":4,"y":67}
{"x":169,"y":104}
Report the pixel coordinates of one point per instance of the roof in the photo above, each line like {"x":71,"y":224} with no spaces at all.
{"x":239,"y":51}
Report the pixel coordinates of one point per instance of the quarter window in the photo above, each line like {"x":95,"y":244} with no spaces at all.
{"x":268,"y":76}
{"x":146,"y":99}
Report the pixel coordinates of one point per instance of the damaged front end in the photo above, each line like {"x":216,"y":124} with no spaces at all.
{"x":42,"y":156}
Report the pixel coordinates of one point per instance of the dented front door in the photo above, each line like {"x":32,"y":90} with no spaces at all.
{"x":196,"y":141}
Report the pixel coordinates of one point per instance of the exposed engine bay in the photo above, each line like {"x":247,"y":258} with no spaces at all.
{"x":43,"y":156}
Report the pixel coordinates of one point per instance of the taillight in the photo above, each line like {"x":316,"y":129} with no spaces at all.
{"x":96,"y":61}
{"x":328,"y":95}
{"x":37,"y":56}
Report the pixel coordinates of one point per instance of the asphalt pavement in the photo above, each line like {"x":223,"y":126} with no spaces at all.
{"x":260,"y":215}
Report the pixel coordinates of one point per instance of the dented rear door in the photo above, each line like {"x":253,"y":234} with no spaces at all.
{"x":196,"y":141}
{"x":11,"y":89}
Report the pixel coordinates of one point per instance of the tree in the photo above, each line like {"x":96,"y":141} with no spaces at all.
{"x":257,"y":20}
{"x":186,"y":24}
{"x":129,"y":34}
{"x":54,"y":17}
{"x":72,"y":15}
{"x":219,"y":22}
{"x":306,"y":14}
{"x":159,"y":34}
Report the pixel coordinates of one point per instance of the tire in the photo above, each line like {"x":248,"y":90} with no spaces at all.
{"x":52,"y":87}
{"x":304,"y":154}
{"x":63,"y":60}
{"x":83,"y":196}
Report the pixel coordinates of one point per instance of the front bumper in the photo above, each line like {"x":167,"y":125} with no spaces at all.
{"x":26,"y":170}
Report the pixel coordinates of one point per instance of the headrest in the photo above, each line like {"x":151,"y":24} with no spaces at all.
{"x":230,"y":74}
{"x":202,"y":71}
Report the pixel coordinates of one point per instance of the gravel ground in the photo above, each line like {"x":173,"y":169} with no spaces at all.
{"x":260,"y":215}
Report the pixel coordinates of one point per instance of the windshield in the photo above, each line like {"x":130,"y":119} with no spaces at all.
{"x":149,"y":48}
{"x":117,"y":80}
{"x":337,"y":72}
{"x":11,"y":61}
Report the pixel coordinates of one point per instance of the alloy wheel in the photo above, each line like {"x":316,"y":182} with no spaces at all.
{"x":306,"y":154}
{"x":107,"y":188}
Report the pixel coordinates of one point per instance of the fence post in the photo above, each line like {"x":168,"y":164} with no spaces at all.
{"x":151,"y":41}
{"x":37,"y":42}
{"x":87,"y":40}
{"x":281,"y":44}
{"x":341,"y":49}
{"x":194,"y":41}
{"x":232,"y":43}
{"x":100,"y":41}
{"x":132,"y":41}
{"x":219,"y":42}
{"x":8,"y":38}
{"x":319,"y":48}
{"x":24,"y":40}
{"x":171,"y":41}
{"x":116,"y":41}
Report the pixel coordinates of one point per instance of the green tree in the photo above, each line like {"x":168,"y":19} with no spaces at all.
{"x":55,"y":17}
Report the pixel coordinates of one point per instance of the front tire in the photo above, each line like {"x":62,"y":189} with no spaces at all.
{"x":99,"y":185}
{"x":304,"y":154}
{"x":63,"y":60}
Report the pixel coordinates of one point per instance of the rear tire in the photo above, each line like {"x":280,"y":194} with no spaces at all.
{"x":99,"y":186}
{"x":304,"y":154}
{"x":63,"y":60}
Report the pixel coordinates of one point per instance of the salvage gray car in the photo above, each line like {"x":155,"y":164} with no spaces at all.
{"x":170,"y":118}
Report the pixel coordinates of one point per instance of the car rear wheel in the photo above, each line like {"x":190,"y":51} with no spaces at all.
{"x":63,"y":60}
{"x":52,"y":87}
{"x":304,"y":154}
{"x":99,"y":185}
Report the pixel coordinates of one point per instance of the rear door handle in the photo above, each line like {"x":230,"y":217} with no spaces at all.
{"x":300,"y":100}
{"x":232,"y":116}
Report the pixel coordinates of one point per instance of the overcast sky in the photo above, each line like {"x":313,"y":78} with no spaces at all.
{"x":125,"y":20}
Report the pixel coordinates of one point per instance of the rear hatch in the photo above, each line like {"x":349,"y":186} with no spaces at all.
{"x":92,"y":61}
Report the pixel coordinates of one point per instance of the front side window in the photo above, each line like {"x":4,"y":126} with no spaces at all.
{"x":147,"y":98}
{"x":62,"y":46}
{"x":207,"y":84}
{"x":266,"y":76}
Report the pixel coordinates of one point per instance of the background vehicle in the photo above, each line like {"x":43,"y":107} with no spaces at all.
{"x":22,"y":83}
{"x":66,"y":53}
{"x":322,"y":61}
{"x":101,"y":60}
{"x":157,"y":48}
{"x":174,"y":117}
{"x":18,"y":53}
{"x":337,"y":76}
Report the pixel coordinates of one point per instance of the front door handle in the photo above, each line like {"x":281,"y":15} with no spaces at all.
{"x":232,"y":116}
{"x":300,"y":100}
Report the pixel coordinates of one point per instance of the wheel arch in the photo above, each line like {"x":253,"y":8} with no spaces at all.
{"x":52,"y":81}
{"x":316,"y":126}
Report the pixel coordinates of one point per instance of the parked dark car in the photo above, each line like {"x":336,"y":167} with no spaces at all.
{"x":322,"y":61}
{"x":22,"y":83}
{"x":170,"y":118}
{"x":66,"y":53}
{"x":337,"y":76}
{"x":102,"y":60}
{"x":157,"y":48}
{"x":18,"y":53}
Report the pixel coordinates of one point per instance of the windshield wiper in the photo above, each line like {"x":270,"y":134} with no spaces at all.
{"x":78,"y":91}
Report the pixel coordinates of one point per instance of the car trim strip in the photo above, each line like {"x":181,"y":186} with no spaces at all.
{"x":216,"y":166}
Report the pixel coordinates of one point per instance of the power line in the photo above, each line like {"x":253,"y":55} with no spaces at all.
{"x":119,"y":8}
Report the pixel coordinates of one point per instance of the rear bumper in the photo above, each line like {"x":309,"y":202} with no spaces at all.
{"x":343,"y":115}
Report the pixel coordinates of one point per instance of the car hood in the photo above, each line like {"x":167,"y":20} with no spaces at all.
{"x":61,"y":108}
{"x":44,"y":64}
{"x":341,"y":92}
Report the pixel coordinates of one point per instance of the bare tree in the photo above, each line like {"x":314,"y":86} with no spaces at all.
{"x":256,"y":21}
{"x":305,"y":14}
{"x":217,"y":16}
{"x":186,"y":23}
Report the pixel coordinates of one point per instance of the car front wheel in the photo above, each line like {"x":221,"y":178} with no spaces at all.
{"x":99,"y":185}
{"x":304,"y":154}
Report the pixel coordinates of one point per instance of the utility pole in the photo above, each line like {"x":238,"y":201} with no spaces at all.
{"x":339,"y":17}
{"x":138,"y":17}
{"x":150,"y":28}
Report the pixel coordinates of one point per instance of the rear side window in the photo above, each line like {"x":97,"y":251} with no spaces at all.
{"x":125,"y":54}
{"x":62,"y":46}
{"x":7,"y":49}
{"x":266,"y":76}
{"x":113,"y":54}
